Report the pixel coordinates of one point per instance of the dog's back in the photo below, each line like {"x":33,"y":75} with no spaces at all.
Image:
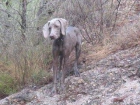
{"x":72,"y":38}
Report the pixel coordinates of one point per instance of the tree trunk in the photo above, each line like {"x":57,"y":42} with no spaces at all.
{"x":23,"y":19}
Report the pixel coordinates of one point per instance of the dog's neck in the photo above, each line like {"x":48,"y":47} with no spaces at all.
{"x":59,"y":44}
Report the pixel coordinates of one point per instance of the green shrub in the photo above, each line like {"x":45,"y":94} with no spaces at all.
{"x":41,"y":77}
{"x":7,"y":84}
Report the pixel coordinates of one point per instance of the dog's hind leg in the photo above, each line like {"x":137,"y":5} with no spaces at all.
{"x":77,"y":55}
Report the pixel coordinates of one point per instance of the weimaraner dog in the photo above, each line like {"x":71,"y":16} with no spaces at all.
{"x":65,"y":39}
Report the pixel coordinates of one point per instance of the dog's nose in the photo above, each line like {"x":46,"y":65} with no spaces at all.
{"x":52,"y":37}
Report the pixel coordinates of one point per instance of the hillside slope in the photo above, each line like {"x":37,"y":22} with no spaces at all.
{"x":113,"y":80}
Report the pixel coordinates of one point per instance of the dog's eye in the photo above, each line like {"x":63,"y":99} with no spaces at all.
{"x":55,"y":26}
{"x":49,"y":28}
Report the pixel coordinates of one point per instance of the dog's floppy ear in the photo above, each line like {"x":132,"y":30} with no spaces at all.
{"x":46,"y":30}
{"x":64,"y":25}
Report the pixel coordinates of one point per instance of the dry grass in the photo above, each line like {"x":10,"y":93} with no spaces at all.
{"x":126,"y":35}
{"x":30,"y":68}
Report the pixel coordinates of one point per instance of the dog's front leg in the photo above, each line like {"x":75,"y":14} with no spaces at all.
{"x":55,"y":71}
{"x":64,"y":70}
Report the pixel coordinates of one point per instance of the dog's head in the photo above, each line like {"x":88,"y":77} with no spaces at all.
{"x":54,"y":28}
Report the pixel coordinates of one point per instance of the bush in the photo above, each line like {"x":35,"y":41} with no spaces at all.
{"x":7,"y":84}
{"x":41,"y":77}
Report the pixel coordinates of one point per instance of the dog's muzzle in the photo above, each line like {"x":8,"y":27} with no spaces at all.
{"x":52,"y":37}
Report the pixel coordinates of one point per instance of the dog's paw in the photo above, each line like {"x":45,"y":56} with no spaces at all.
{"x":77,"y":74}
{"x":62,"y":89}
{"x":53,"y":92}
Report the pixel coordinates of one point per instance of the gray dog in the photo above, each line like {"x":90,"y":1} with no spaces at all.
{"x":65,"y":40}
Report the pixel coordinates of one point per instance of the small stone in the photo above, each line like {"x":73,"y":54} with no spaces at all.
{"x":80,"y":81}
{"x":111,"y":74}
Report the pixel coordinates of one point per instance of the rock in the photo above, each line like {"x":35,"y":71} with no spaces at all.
{"x":80,"y":81}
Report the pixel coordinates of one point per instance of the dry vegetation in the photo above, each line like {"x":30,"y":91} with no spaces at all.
{"x":25,"y":56}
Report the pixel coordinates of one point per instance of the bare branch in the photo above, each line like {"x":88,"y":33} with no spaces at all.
{"x":8,"y":13}
{"x":116,"y":15}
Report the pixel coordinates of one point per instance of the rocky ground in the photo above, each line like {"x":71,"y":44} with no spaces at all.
{"x":114,"y":80}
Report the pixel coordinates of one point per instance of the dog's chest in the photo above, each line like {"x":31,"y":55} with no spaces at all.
{"x":59,"y":46}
